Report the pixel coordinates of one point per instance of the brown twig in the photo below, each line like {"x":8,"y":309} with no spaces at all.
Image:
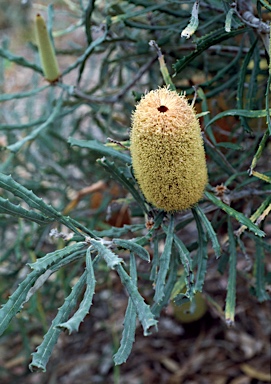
{"x":244,"y":10}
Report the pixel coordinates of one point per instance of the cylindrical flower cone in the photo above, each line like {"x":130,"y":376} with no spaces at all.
{"x":46,"y":50}
{"x":167,"y":151}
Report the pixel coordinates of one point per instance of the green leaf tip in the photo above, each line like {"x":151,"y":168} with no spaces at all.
{"x":237,"y":215}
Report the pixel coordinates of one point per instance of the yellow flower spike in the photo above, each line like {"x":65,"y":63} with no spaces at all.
{"x":167,"y":151}
{"x":46,"y":51}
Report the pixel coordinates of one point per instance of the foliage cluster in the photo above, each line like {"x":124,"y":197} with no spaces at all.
{"x":55,"y":153}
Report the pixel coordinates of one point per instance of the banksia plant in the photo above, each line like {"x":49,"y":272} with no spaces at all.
{"x":59,"y":248}
{"x":46,"y":50}
{"x":167,"y":151}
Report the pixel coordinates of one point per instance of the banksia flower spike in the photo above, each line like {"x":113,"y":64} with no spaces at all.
{"x":167,"y":151}
{"x":46,"y":51}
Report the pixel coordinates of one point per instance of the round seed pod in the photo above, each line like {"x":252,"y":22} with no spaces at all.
{"x":167,"y":151}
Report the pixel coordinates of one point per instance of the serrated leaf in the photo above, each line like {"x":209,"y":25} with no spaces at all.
{"x":111,"y":259}
{"x":237,"y":215}
{"x":133,"y":247}
{"x":205,"y":42}
{"x":202,"y":256}
{"x":170,"y":283}
{"x":128,"y":334}
{"x":210,"y":230}
{"x":9,"y":208}
{"x":240,"y":113}
{"x":164,"y":263}
{"x":21,"y":295}
{"x":261,"y":292}
{"x":231,"y":288}
{"x":38,"y":283}
{"x":72,"y":325}
{"x":125,"y":182}
{"x":9,"y":184}
{"x":44,"y":351}
{"x":16,"y":300}
{"x":100,"y":149}
{"x":54,"y":257}
{"x":116,"y":231}
{"x":144,"y":313}
{"x":186,"y":261}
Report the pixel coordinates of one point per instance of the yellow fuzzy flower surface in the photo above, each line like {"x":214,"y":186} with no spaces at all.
{"x":167,"y":151}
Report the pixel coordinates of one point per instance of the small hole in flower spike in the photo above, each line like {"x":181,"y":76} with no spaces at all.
{"x":162,"y":108}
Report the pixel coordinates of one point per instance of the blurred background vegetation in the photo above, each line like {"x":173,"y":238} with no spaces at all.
{"x":47,"y":135}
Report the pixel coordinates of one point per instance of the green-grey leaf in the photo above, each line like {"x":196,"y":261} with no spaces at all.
{"x":128,"y":334}
{"x":16,"y":210}
{"x":16,"y":300}
{"x":72,"y":325}
{"x":186,"y":262}
{"x":238,"y":112}
{"x":28,"y":286}
{"x":237,"y":215}
{"x":210,"y":230}
{"x":21,"y":95}
{"x":144,"y":313}
{"x":134,"y":247}
{"x":119,"y":175}
{"x":116,"y":231}
{"x":43,"y":353}
{"x":9,"y":184}
{"x":231,"y":289}
{"x":164,"y":263}
{"x":214,"y":37}
{"x":202,"y":256}
{"x":171,"y":281}
{"x":38,"y":283}
{"x":228,"y":145}
{"x":261,"y":293}
{"x":111,"y":259}
{"x":19,"y":60}
{"x":54,"y":257}
{"x":100,"y":149}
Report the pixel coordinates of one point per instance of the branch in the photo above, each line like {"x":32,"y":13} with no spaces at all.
{"x":244,"y":11}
